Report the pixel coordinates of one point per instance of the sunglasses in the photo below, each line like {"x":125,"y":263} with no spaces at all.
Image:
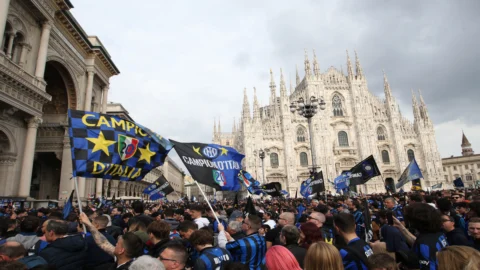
{"x":455,"y":198}
{"x":165,"y":259}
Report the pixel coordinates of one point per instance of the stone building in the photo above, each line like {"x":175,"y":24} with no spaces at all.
{"x":48,"y":64}
{"x":466,"y":166}
{"x":354,"y":125}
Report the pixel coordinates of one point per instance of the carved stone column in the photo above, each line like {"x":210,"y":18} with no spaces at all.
{"x":114,"y":188}
{"x":105,"y":98}
{"x":66,"y":181}
{"x":43,"y":49}
{"x":28,"y":153}
{"x":121,"y":188}
{"x":106,"y":192}
{"x":88,"y":91}
{"x":25,"y":49}
{"x":3,"y":17}
{"x":11,"y":37}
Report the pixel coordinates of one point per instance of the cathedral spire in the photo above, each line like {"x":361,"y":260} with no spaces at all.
{"x":283,"y":89}
{"x":316,"y":68}
{"x":308,"y":71}
{"x":386,"y":87}
{"x":291,"y":89}
{"x":214,"y":127}
{"x":234,"y":127}
{"x":273,"y":89}
{"x":416,"y":112}
{"x":246,"y":105}
{"x":466,"y":146}
{"x":349,"y":68}
{"x":423,"y":107}
{"x":358,"y":67}
{"x":256,"y":106}
{"x":297,"y":76}
{"x":219,"y":126}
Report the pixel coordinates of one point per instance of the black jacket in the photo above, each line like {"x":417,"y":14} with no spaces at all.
{"x":158,"y":248}
{"x":143,"y":218}
{"x":298,"y":252}
{"x":457,"y":237}
{"x":96,"y":255}
{"x":118,"y":221}
{"x":114,"y":231}
{"x":68,"y":253}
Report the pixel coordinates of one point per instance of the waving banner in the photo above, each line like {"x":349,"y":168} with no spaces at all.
{"x":158,"y":189}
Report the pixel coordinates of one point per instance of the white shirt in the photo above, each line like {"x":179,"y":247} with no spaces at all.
{"x":202,"y":222}
{"x":271,"y":223}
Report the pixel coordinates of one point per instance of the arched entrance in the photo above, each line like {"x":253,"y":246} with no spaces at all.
{"x":390,"y":184}
{"x":49,"y":150}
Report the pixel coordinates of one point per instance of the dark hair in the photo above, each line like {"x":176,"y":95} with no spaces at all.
{"x":322,"y":208}
{"x":201,"y":237}
{"x":59,"y":227}
{"x":197,"y":207}
{"x":382,"y":261}
{"x":13,"y":251}
{"x":444,"y":204}
{"x":423,"y":217}
{"x":255,"y":222}
{"x":416,"y":197}
{"x":462,"y":204}
{"x":187,"y":225}
{"x":168,"y":212}
{"x":345,"y":222}
{"x":137,"y":207}
{"x":127,"y":215}
{"x":291,"y":234}
{"x":429,"y":198}
{"x":102,"y":221}
{"x":56,"y":214}
{"x":29,"y":224}
{"x":133,"y":245}
{"x":159,"y":229}
{"x":179,"y":250}
{"x":356,"y":204}
{"x":119,"y":208}
{"x":12,"y":265}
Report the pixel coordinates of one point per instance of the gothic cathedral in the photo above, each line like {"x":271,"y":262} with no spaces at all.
{"x":354,"y":125}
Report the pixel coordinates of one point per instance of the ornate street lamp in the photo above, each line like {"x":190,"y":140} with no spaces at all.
{"x":261,"y":155}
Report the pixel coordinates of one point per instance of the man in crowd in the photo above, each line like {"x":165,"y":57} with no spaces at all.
{"x":138,"y":214}
{"x":273,"y":236}
{"x":196,"y":211}
{"x":96,"y":257}
{"x":391,"y":205}
{"x":210,"y":257}
{"x":117,"y":219}
{"x":62,"y":251}
{"x":15,"y":251}
{"x":170,"y":220}
{"x":455,"y":236}
{"x":159,"y":235}
{"x":28,"y":232}
{"x":316,"y":218}
{"x":474,"y":232}
{"x":235,"y":230}
{"x":174,"y":256}
{"x":267,"y":216}
{"x":289,"y":237}
{"x":355,"y":254}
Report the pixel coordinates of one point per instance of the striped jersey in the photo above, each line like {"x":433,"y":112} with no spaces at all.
{"x":212,"y":258}
{"x":249,"y":250}
{"x":426,"y":247}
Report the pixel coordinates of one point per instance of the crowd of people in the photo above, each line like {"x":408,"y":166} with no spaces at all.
{"x":418,"y":230}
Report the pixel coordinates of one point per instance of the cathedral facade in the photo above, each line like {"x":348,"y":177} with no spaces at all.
{"x":354,"y":125}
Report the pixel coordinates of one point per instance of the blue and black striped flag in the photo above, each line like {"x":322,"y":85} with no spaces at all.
{"x":109,"y":147}
{"x":67,"y":208}
{"x":158,"y":189}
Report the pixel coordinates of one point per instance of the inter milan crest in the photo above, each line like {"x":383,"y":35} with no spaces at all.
{"x":219,"y":178}
{"x":127,"y":146}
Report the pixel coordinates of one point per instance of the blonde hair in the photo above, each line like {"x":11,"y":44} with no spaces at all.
{"x":456,"y":257}
{"x":323,"y":256}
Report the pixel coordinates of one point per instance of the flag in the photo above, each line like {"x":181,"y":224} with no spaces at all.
{"x":416,"y":185}
{"x":296,"y":193}
{"x":249,"y":208}
{"x":272,"y":189}
{"x":285,"y":193}
{"x":67,"y":208}
{"x":113,"y":199}
{"x":98,"y":203}
{"x":257,"y":190}
{"x":211,"y":164}
{"x":401,"y":191}
{"x":305,"y":189}
{"x":317,"y":184}
{"x":412,"y":172}
{"x":458,"y":182}
{"x":368,"y":222}
{"x":247,"y":179}
{"x":437,"y":186}
{"x":364,"y":171}
{"x":235,"y":202}
{"x":109,"y":147}
{"x":342,"y":182}
{"x":158,"y":189}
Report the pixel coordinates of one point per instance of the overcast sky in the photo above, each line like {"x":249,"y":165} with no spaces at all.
{"x":184,"y":63}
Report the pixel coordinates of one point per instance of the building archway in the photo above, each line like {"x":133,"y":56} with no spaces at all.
{"x":390,"y":183}
{"x":49,"y":150}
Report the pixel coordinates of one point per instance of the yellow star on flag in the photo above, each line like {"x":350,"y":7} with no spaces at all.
{"x":101,"y":143}
{"x":146,"y":154}
{"x":224,"y":151}
{"x":196,"y":150}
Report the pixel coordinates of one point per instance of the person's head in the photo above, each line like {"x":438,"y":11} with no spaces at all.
{"x":382,"y":261}
{"x":416,"y":198}
{"x":316,"y":218}
{"x":444,"y":205}
{"x":264,"y":229}
{"x":289,"y":235}
{"x":389,"y":203}
{"x":349,"y":203}
{"x":462,"y":208}
{"x":146,"y":262}
{"x":344,"y":223}
{"x":201,"y":239}
{"x":158,"y":230}
{"x":309,"y":233}
{"x":13,"y":265}
{"x":29,"y":224}
{"x":251,"y":224}
{"x":138,"y":207}
{"x":90,"y":213}
{"x":280,"y":258}
{"x":234,"y":227}
{"x":168,"y":213}
{"x":136,"y":225}
{"x":128,"y":246}
{"x":448,"y":223}
{"x":286,"y":218}
{"x":474,"y":227}
{"x":12,"y":250}
{"x":267,"y":216}
{"x":314,"y":203}
{"x":126,"y":217}
{"x":322,"y":256}
{"x":100,"y":222}
{"x":196,"y":211}
{"x":186,"y":228}
{"x":174,"y":256}
{"x":236,"y":215}
{"x":117,"y":211}
{"x":178,"y":214}
{"x":55,"y":229}
{"x":457,"y":197}
{"x":455,"y":257}
{"x":423,"y":217}
{"x":322,"y":208}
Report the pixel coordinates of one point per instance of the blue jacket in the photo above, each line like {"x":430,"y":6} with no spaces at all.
{"x":95,"y":255}
{"x":33,"y":261}
{"x":68,"y":253}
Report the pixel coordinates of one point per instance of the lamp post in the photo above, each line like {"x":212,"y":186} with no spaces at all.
{"x":261,"y":154}
{"x":308,"y":110}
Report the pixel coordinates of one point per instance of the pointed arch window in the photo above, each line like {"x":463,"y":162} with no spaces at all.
{"x":303,"y":159}
{"x":410,"y":154}
{"x":301,"y":135}
{"x":342,"y":138}
{"x":274,"y":160}
{"x":337,"y":106}
{"x":385,"y":157}
{"x":381,"y":134}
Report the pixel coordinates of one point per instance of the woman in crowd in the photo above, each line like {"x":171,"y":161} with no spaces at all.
{"x":309,"y":234}
{"x":456,"y":257}
{"x":280,"y":258}
{"x":323,"y":256}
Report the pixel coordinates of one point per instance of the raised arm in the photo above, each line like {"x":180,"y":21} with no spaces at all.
{"x":98,"y":237}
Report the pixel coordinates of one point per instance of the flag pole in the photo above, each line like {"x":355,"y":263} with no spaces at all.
{"x":206,"y":199}
{"x":75,"y":180}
